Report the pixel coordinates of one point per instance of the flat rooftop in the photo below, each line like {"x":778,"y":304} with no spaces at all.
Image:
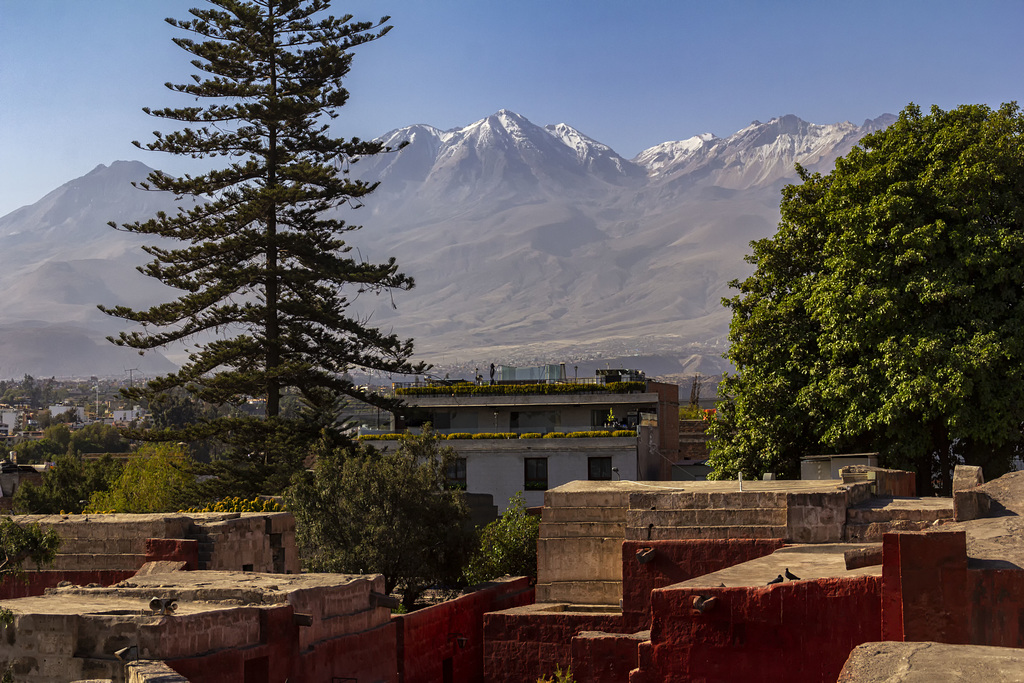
{"x":196,"y":592}
{"x":817,"y":561}
{"x":732,"y":486}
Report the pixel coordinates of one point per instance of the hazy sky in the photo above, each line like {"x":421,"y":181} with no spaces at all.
{"x":74,"y":74}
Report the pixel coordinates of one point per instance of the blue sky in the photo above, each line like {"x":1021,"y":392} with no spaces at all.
{"x":74,"y":74}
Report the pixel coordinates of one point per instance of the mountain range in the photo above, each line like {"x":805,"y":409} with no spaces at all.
{"x":528,"y":244}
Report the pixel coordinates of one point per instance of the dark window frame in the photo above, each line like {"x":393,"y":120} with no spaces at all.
{"x":603,"y":466}
{"x":455,"y":475}
{"x":535,"y":474}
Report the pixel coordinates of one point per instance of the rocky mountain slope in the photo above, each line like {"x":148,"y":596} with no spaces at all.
{"x":528,"y":243}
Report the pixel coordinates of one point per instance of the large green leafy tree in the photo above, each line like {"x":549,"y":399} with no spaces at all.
{"x":360,"y":511}
{"x":887,"y":313}
{"x":266,"y":279}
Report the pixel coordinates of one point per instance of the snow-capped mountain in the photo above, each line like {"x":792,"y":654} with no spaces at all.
{"x":528,"y":243}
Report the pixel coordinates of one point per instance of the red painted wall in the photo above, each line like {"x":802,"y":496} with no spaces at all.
{"x":676,"y":561}
{"x":996,"y":603}
{"x":175,"y":550}
{"x":365,"y":656}
{"x":924,"y":578}
{"x":521,"y":645}
{"x":604,"y":657}
{"x":794,"y":632}
{"x":36,"y":583}
{"x":428,"y":637}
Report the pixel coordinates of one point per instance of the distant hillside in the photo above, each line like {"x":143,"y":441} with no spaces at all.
{"x":527,"y":243}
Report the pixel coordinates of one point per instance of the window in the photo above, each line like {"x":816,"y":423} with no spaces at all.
{"x":599,"y":469}
{"x":536,"y":478}
{"x":456,"y":475}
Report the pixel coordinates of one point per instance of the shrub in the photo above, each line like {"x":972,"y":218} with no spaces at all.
{"x":459,"y":435}
{"x":239,"y":504}
{"x":496,"y":435}
{"x":560,"y":676}
{"x":508,"y":546}
{"x":531,"y":435}
{"x":624,"y":432}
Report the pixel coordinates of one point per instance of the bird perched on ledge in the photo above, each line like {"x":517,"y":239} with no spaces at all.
{"x":777,"y":579}
{"x":791,"y":576}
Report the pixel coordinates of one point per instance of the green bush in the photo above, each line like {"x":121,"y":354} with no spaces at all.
{"x":508,"y":546}
{"x":239,"y":504}
{"x":554,"y":435}
{"x":459,"y":435}
{"x":560,"y":676}
{"x":496,"y":435}
{"x":531,"y":435}
{"x":380,"y":437}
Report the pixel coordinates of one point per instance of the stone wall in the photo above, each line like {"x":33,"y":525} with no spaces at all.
{"x":445,"y":642}
{"x":261,"y":542}
{"x":578,"y":552}
{"x":676,"y":561}
{"x":793,"y":632}
{"x":525,"y":643}
{"x":584,"y":523}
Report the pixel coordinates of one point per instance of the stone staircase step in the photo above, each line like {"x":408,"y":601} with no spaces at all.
{"x":671,"y":533}
{"x":582,"y":529}
{"x":873,"y":532}
{"x":772,"y":516}
{"x":906,"y":509}
{"x":583,"y":514}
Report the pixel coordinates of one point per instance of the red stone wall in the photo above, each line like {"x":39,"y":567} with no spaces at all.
{"x":925,"y":586}
{"x":676,"y":561}
{"x":36,"y":582}
{"x":174,"y":549}
{"x":429,"y":637}
{"x":521,"y":645}
{"x":929,"y":594}
{"x":365,"y":656}
{"x":604,"y":657}
{"x":794,"y":632}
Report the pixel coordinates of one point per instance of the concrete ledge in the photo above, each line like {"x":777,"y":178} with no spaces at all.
{"x":891,"y":662}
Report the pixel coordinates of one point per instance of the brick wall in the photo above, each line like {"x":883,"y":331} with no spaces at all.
{"x":525,"y":643}
{"x":599,"y":657}
{"x":677,"y":561}
{"x":448,"y":638}
{"x":795,"y":632}
{"x":36,"y":582}
{"x":924,"y":578}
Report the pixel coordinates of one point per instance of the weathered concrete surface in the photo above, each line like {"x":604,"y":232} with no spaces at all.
{"x":867,"y":522}
{"x":817,"y":561}
{"x":997,"y":541}
{"x":72,"y":632}
{"x":969,"y":502}
{"x":584,"y":523}
{"x":890,"y":662}
{"x":145,"y":671}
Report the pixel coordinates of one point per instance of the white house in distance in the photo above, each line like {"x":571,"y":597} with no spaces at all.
{"x":78,"y":411}
{"x":537,"y":433}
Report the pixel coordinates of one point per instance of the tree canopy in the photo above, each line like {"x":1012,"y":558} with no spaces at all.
{"x":361,"y":511}
{"x":265,"y":277}
{"x":886,"y":314}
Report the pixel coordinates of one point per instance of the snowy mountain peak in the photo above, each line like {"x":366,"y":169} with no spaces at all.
{"x":670,"y":154}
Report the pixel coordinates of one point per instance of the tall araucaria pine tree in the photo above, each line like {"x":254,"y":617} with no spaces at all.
{"x":266,"y":278}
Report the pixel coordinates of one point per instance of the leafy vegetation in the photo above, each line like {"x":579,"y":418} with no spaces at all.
{"x":361,"y":511}
{"x":67,"y":486}
{"x":508,"y":546}
{"x":886,"y":313}
{"x":158,"y":478}
{"x":264,"y":274}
